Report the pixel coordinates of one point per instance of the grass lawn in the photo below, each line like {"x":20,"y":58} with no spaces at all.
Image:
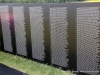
{"x":28,"y":66}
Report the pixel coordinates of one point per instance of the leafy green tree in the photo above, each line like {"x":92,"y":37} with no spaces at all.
{"x":36,"y":1}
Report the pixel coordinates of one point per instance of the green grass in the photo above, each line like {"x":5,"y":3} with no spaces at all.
{"x":28,"y":66}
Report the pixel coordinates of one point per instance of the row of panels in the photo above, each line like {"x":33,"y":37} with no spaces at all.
{"x":65,"y":35}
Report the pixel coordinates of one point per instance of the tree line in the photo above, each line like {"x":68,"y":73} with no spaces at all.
{"x":37,"y":1}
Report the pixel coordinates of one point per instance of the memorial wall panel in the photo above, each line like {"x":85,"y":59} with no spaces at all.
{"x":59,"y":35}
{"x":37,"y":32}
{"x":20,"y":33}
{"x":88,"y":39}
{"x":5,"y":24}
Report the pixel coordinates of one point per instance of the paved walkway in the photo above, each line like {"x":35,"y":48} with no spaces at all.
{"x":5,"y":70}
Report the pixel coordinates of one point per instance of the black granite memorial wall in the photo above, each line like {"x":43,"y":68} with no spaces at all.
{"x":65,"y":35}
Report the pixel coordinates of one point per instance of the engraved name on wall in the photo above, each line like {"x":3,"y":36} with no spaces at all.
{"x":5,"y":24}
{"x":59,"y":35}
{"x":20,"y":33}
{"x":88,"y":38}
{"x":37,"y":35}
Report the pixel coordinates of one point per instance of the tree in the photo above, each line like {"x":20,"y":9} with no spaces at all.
{"x":36,"y":1}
